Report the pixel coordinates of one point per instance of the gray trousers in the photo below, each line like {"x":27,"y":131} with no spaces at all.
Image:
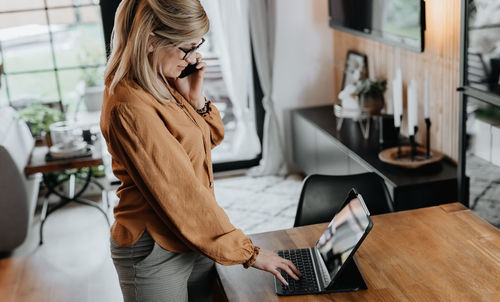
{"x":148,"y":273}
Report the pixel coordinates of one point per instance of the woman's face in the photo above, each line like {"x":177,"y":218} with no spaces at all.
{"x":172,"y":58}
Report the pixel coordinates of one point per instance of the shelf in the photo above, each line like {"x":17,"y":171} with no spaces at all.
{"x":489,"y":26}
{"x":488,"y":97}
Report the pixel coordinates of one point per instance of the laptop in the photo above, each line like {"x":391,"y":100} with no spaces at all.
{"x":322,"y":264}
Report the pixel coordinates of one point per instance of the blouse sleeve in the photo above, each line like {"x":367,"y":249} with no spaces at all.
{"x":214,"y":121}
{"x":163,"y":173}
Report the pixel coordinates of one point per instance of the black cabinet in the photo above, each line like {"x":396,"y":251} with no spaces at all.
{"x":320,"y":148}
{"x":315,"y":151}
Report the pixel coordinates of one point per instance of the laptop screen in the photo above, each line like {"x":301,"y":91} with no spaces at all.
{"x":343,"y":234}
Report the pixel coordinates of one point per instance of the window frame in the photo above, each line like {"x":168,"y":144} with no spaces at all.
{"x":108,"y":9}
{"x":55,"y":69}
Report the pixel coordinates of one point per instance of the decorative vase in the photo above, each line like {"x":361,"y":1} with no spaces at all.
{"x":372,"y":104}
{"x":48,"y":139}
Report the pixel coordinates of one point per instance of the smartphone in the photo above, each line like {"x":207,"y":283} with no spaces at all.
{"x":191,"y":68}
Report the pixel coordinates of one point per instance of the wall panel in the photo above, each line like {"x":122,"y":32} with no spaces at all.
{"x":440,"y":59}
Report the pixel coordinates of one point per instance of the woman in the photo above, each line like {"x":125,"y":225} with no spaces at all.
{"x":160,"y":130}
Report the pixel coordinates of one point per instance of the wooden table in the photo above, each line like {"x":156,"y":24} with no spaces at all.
{"x":441,"y":253}
{"x":71,"y":168}
{"x":38,"y":164}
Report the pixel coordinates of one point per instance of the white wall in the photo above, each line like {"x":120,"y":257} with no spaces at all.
{"x":303,"y":66}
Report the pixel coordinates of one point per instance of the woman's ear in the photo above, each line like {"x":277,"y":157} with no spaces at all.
{"x":150,"y":43}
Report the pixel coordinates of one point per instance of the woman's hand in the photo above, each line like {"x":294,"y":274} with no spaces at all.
{"x":270,"y":262}
{"x":191,"y":87}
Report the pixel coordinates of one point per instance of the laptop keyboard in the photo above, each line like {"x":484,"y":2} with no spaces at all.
{"x":301,"y":258}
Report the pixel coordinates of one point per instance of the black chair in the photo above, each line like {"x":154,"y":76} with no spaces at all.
{"x":322,"y":195}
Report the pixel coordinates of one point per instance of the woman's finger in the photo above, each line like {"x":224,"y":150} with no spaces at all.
{"x":294,"y":268}
{"x":201,"y":64}
{"x":291,"y":265}
{"x":286,"y":268}
{"x":278,"y":275}
{"x":192,"y":60}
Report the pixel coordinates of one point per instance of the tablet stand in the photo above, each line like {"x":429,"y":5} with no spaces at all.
{"x":350,"y":278}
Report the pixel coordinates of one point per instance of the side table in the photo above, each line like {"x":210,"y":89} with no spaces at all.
{"x":38,"y":164}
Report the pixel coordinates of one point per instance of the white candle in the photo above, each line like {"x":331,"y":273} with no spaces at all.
{"x":371,"y":70}
{"x":415,"y":102}
{"x":426,"y":95}
{"x":399,"y":87}
{"x":411,"y":110}
{"x":397,"y":110}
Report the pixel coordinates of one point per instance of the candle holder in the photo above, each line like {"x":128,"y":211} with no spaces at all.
{"x":398,"y":144}
{"x":412,"y":156}
{"x":412,"y":144}
{"x":412,"y":147}
{"x":399,"y":135}
{"x":420,"y":159}
{"x":428,"y":138}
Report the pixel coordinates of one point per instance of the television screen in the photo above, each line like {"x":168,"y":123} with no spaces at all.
{"x":396,"y":22}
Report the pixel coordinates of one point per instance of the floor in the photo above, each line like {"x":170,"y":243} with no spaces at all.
{"x":484,"y":189}
{"x":263,"y":204}
{"x":74,"y":264}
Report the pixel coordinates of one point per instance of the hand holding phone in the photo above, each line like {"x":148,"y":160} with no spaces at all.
{"x":191,"y":68}
{"x":191,"y":87}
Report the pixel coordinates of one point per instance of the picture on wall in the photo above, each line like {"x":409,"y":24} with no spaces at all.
{"x":356,"y":68}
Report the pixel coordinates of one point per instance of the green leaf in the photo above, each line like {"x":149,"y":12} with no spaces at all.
{"x":39,"y":117}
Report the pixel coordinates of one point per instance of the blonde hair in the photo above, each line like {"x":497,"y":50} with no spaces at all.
{"x":172,"y":22}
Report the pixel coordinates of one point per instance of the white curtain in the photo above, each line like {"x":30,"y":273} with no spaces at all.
{"x":231,"y":39}
{"x":262,"y":29}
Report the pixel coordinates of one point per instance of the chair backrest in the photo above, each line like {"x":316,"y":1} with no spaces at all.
{"x":17,"y":192}
{"x":322,"y":195}
{"x":15,"y":138}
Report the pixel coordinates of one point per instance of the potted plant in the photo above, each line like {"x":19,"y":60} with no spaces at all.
{"x":39,"y":117}
{"x":93,"y":88}
{"x":371,"y":95}
{"x":92,"y":78}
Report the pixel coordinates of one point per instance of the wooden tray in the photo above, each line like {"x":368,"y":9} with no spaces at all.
{"x":390,"y":156}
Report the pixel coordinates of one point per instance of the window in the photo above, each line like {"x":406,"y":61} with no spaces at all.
{"x":46,"y":48}
{"x":215,"y":89}
{"x":228,"y":155}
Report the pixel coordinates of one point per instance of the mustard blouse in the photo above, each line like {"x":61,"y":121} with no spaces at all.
{"x":162,"y":155}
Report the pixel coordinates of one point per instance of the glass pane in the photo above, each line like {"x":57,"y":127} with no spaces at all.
{"x":55,"y":3}
{"x":70,"y":91}
{"x":483,"y":51}
{"x":29,"y":87}
{"x":20,"y":4}
{"x":72,"y":86}
{"x":24,"y":39}
{"x":216,"y":89}
{"x":483,"y":159}
{"x":78,"y":36}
